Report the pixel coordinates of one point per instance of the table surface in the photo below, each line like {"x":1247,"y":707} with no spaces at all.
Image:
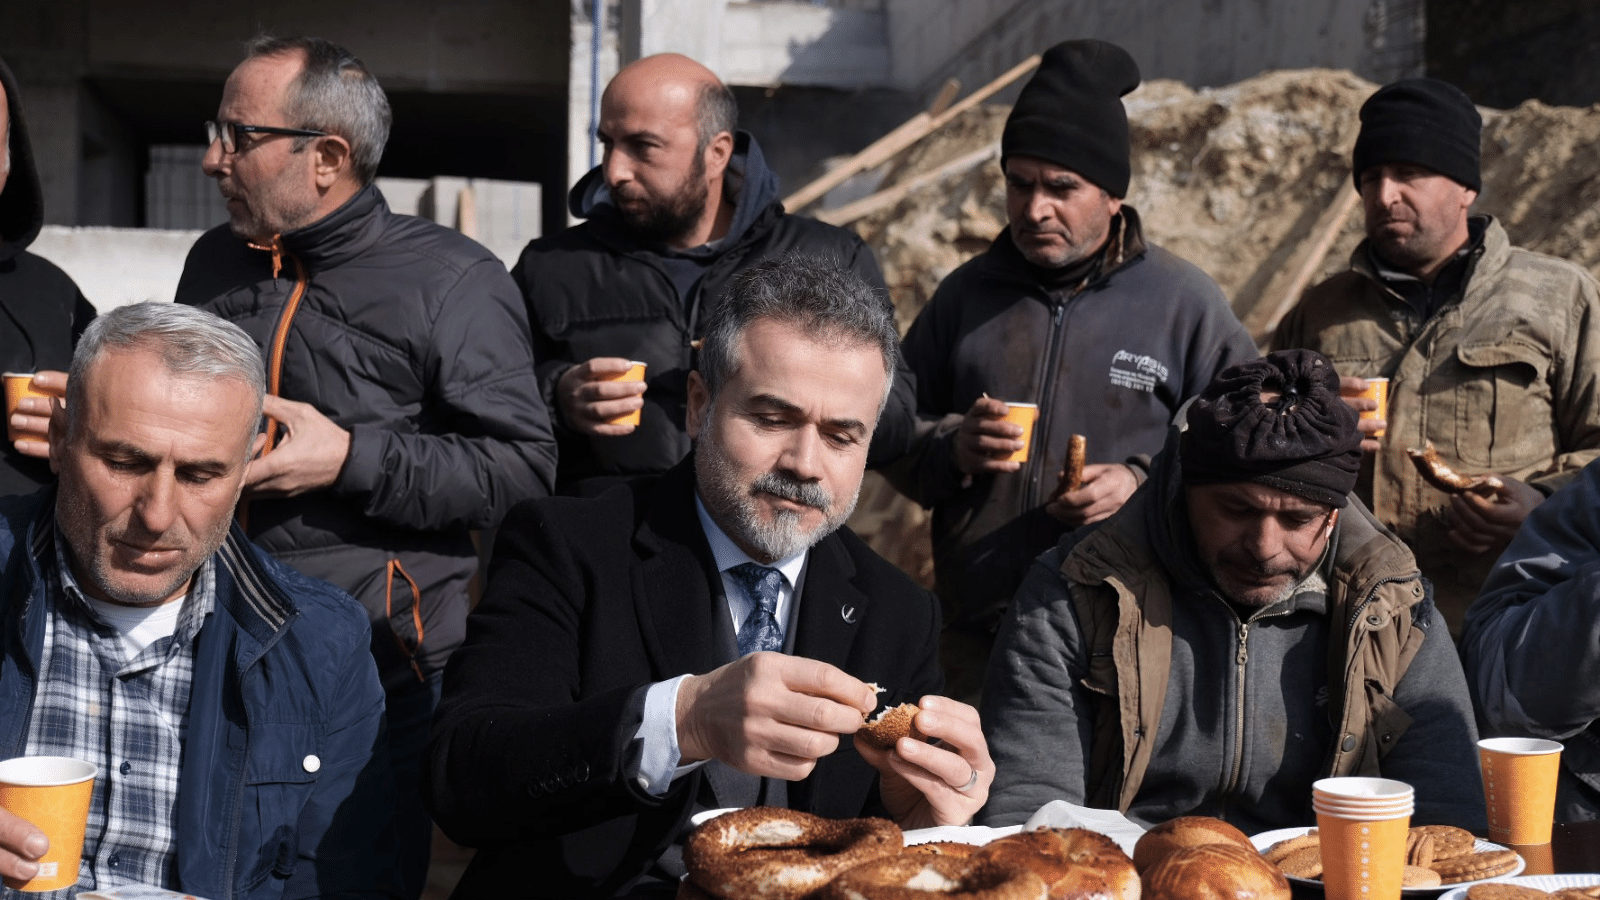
{"x":1573,"y":847}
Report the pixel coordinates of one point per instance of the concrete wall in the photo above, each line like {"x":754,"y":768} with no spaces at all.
{"x":114,"y":266}
{"x":824,"y":60}
{"x":1205,"y":44}
{"x":92,"y":69}
{"x":766,"y":43}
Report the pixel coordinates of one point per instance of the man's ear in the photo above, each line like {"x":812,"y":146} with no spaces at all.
{"x":332,"y":159}
{"x":699,"y":401}
{"x":717,"y":154}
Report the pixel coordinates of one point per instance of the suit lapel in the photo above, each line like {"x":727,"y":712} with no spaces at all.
{"x":830,"y":605}
{"x":675,"y":586}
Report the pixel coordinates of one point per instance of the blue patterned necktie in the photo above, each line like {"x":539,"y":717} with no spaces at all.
{"x":760,"y":630}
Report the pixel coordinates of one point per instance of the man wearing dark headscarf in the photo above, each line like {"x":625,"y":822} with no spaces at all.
{"x":1239,"y":629}
{"x":1072,"y":310}
{"x":1492,"y":352}
{"x":42,"y":312}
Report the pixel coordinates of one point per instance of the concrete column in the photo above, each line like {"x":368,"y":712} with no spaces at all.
{"x":584,"y":85}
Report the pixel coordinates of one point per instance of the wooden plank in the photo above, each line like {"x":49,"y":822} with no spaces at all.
{"x":1312,"y":253}
{"x":947,"y":95}
{"x":467,"y":212}
{"x":866,"y":206}
{"x":912,"y":130}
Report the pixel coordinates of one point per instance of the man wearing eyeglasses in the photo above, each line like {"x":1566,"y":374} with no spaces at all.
{"x":399,"y":418}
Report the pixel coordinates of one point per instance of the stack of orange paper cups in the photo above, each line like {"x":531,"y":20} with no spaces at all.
{"x":1362,"y":824}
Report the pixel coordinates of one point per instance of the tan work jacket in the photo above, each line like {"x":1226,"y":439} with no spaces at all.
{"x":1505,"y":380}
{"x":1124,"y":603}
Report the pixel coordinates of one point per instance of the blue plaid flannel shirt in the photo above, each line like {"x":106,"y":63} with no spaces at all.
{"x":127,"y":716}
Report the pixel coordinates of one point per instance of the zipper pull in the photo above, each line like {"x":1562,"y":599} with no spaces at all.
{"x":276,"y":249}
{"x":1244,"y":635}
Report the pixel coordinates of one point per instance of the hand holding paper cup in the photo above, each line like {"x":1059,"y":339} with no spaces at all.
{"x":1377,"y":390}
{"x":18,"y":386}
{"x":1022,"y":415}
{"x":1519,"y":788}
{"x":634,"y":372}
{"x":1362,"y":824}
{"x":52,"y":793}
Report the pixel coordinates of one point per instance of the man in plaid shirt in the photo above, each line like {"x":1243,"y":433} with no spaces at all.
{"x":231,"y":705}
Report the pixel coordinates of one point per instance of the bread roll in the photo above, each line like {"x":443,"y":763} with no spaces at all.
{"x":1217,"y":871}
{"x":1074,"y":862}
{"x":1184,"y":831}
{"x":891,"y":725}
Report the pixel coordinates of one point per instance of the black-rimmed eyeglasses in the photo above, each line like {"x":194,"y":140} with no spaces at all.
{"x":230,"y":131}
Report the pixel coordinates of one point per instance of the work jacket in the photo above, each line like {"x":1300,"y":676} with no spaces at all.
{"x":1531,"y":643}
{"x":284,"y":788}
{"x":1505,"y":379}
{"x":1112,"y":359}
{"x":1124,"y":679}
{"x":411,"y":337}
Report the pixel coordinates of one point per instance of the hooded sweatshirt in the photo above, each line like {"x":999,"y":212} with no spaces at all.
{"x":41,"y":311}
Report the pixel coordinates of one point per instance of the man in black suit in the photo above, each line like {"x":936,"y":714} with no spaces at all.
{"x":618,"y":674}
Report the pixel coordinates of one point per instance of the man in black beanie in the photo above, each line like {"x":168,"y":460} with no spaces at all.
{"x":1492,"y":352}
{"x":1239,"y":629}
{"x":1069,"y":309}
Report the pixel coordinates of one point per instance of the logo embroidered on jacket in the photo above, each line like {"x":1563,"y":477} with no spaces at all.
{"x":1142,"y":373}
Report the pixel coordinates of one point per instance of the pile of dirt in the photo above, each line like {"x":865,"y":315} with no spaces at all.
{"x":1237,"y":180}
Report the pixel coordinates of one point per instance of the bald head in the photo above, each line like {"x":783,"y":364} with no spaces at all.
{"x":666,"y":123}
{"x":676,"y":82}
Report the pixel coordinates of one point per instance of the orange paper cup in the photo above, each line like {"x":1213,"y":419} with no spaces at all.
{"x":1023,"y":415}
{"x":1362,"y":860}
{"x":52,"y":793}
{"x":635,"y":372}
{"x":1377,"y":389}
{"x":1519,"y":787}
{"x":1537,"y":858}
{"x":19,"y":385}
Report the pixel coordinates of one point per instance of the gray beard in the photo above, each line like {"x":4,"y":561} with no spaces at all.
{"x":732,"y":507}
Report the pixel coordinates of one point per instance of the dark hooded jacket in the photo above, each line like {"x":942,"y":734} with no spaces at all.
{"x":41,"y":311}
{"x":595,"y":290}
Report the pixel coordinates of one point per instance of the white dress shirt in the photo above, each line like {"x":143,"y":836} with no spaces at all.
{"x":658,"y":731}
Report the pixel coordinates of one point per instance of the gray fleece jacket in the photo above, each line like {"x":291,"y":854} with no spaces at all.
{"x":1249,"y":718}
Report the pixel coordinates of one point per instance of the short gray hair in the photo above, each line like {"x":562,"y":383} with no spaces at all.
{"x":821,"y":296}
{"x":715,"y":112}
{"x":334,"y":93}
{"x":191,"y":341}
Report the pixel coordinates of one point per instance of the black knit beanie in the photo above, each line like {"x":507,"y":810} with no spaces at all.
{"x":1424,"y":122}
{"x":1304,"y":440}
{"x":1070,"y":113}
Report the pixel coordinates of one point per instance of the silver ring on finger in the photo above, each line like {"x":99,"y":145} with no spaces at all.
{"x":971,"y":782}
